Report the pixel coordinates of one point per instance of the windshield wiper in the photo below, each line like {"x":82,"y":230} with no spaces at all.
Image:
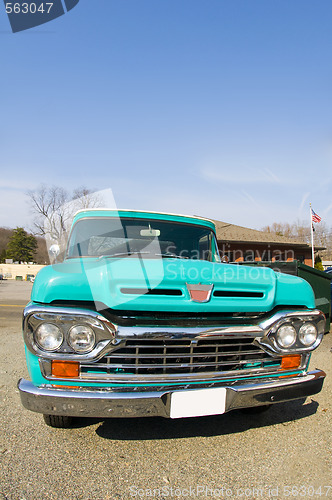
{"x":171,"y":256}
{"x":122,"y":254}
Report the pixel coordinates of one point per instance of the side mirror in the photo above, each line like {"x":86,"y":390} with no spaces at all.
{"x":54,"y":251}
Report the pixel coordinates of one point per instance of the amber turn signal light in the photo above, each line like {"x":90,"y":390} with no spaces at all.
{"x":65,"y":369}
{"x":289,"y":362}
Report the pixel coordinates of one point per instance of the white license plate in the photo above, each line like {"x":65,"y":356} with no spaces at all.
{"x":198,"y":403}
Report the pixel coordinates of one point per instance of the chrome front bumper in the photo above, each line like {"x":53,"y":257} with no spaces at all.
{"x":101,"y":403}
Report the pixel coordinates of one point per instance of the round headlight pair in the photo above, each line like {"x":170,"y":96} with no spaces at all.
{"x":81,"y":338}
{"x":286,"y":335}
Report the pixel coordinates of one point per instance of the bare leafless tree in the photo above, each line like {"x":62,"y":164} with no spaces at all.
{"x":53,"y":209}
{"x":301,"y":231}
{"x":48,"y":208}
{"x":86,"y":198}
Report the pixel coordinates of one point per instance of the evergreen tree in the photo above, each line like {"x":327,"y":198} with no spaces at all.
{"x":21,"y":246}
{"x":3,"y":256}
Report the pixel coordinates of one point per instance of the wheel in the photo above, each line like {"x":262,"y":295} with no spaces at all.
{"x":255,"y":410}
{"x":58,"y":421}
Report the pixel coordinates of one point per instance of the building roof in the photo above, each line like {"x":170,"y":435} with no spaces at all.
{"x":238,"y":234}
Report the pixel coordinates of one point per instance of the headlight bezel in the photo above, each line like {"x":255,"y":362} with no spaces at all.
{"x":65,"y":319}
{"x":296,"y":319}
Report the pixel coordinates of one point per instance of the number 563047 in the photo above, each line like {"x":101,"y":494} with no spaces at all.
{"x":28,"y":8}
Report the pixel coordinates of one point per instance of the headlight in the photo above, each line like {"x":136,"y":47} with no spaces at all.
{"x":308,"y":334}
{"x":81,"y":338}
{"x":49,"y":337}
{"x":286,"y":336}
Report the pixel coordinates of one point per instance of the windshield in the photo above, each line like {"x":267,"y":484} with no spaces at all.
{"x":113,"y":237}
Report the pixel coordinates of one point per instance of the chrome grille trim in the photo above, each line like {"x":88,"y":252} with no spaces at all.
{"x":144,"y":359}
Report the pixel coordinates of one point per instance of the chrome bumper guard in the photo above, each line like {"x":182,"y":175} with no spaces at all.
{"x":99,"y":403}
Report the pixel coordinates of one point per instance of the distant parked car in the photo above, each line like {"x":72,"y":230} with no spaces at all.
{"x":30,"y":277}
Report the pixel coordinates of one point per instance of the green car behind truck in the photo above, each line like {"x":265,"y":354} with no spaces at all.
{"x":141,"y":319}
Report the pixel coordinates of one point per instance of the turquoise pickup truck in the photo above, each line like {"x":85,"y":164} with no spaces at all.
{"x":141,"y":319}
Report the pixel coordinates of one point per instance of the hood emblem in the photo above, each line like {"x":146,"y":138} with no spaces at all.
{"x":199,"y":293}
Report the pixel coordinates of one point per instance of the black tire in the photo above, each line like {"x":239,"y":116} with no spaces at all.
{"x":255,"y":410}
{"x":58,"y":421}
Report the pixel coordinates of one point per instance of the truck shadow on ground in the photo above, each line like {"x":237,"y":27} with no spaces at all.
{"x":229,"y":423}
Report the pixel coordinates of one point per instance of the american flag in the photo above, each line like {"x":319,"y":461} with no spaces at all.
{"x":315,"y":217}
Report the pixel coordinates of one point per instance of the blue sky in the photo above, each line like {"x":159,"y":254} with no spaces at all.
{"x":218,"y":108}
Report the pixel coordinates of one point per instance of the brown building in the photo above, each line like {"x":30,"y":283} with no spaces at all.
{"x":238,"y":243}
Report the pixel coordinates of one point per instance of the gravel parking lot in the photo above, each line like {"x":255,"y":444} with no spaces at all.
{"x":284,"y":453}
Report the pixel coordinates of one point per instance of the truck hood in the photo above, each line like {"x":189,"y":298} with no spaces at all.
{"x":161,"y":285}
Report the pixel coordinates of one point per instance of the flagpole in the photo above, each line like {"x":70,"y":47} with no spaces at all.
{"x":312,"y":239}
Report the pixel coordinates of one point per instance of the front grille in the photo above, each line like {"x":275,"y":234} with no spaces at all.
{"x":183,"y":356}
